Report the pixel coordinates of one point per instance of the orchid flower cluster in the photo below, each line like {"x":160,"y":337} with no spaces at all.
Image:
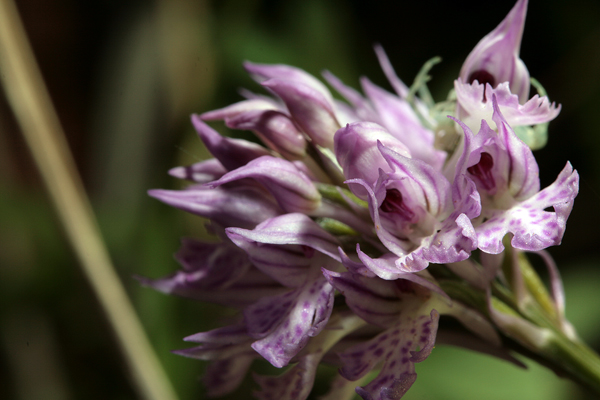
{"x":358,"y":223}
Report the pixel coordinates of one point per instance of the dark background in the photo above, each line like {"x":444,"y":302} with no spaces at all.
{"x":125,"y":76}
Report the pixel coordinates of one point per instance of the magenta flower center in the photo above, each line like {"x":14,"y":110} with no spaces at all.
{"x":394,"y":203}
{"x":483,"y":171}
{"x":483,"y":77}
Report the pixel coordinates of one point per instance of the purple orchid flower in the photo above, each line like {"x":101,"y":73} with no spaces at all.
{"x":493,"y":68}
{"x":507,"y":178}
{"x":410,"y":202}
{"x":328,"y":228}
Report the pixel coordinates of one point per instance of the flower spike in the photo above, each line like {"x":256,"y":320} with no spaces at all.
{"x":362,"y":221}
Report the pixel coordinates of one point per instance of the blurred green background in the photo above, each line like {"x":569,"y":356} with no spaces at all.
{"x":125,"y":76}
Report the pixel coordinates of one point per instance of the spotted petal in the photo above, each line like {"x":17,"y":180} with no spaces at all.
{"x":283,"y":324}
{"x":532,"y":227}
{"x":396,"y":349}
{"x":474,"y":100}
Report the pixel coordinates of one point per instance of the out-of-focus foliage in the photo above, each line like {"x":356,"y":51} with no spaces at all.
{"x":125,"y":77}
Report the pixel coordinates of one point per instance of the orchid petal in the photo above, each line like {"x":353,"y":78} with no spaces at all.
{"x":286,"y":264}
{"x":533,"y":228}
{"x":241,"y":107}
{"x":214,"y":265}
{"x":391,"y":242}
{"x":264,"y":72}
{"x":386,"y":268}
{"x":283,"y":324}
{"x":363,"y":109}
{"x":395,"y":348}
{"x":399,"y":86}
{"x":289,"y":229}
{"x":310,"y":109}
{"x":219,"y":344}
{"x":354,"y":267}
{"x":434,"y":186}
{"x":224,"y":376}
{"x":252,"y":286}
{"x":294,"y":384}
{"x":497,"y":55}
{"x":230,"y":353}
{"x":397,"y":116}
{"x":232,"y":153}
{"x":511,"y":165}
{"x":523,"y":174}
{"x":243,"y":206}
{"x":356,"y":150}
{"x":374,"y":300}
{"x":474,"y":100}
{"x":453,"y":242}
{"x":202,"y":172}
{"x":274,"y":128}
{"x":292,"y":189}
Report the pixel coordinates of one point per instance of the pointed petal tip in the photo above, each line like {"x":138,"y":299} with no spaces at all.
{"x":142,"y":280}
{"x":197,"y":118}
{"x":178,"y":172}
{"x":156,"y":193}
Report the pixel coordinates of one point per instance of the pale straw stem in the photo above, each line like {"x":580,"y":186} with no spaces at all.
{"x":39,"y":123}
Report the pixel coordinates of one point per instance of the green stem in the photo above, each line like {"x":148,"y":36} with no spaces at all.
{"x":579,"y":361}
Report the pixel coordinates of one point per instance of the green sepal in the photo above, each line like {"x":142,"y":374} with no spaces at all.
{"x":334,"y":194}
{"x":336,"y":227}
